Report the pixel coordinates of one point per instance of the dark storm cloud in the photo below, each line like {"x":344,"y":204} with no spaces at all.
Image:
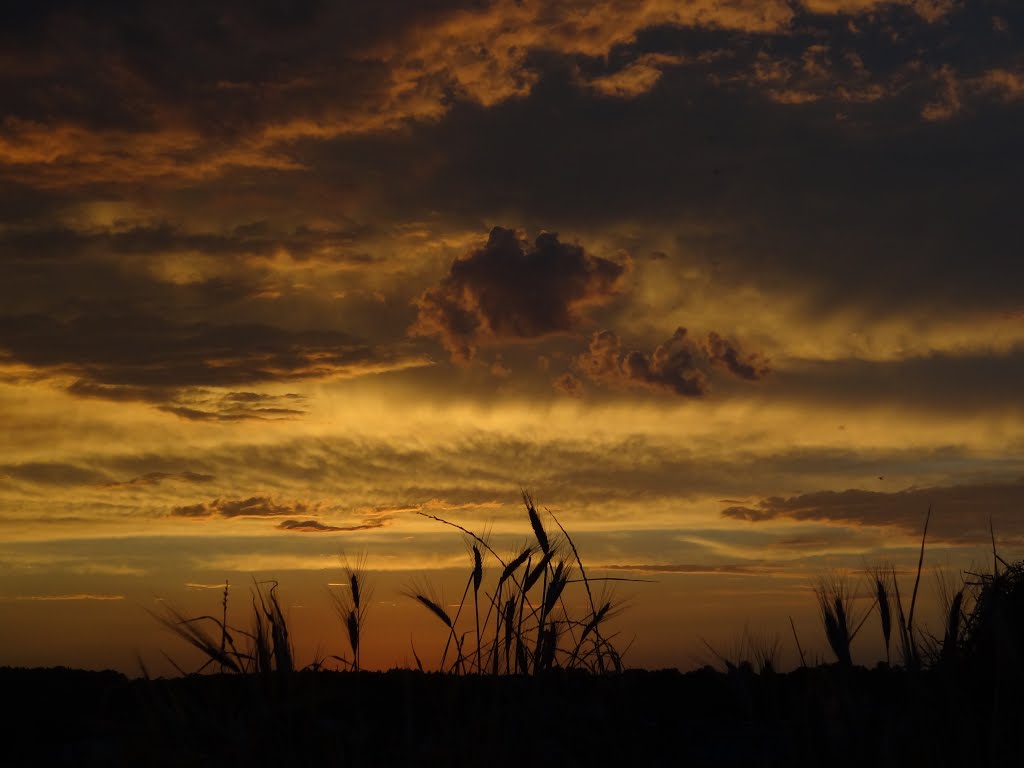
{"x":954,"y":383}
{"x":314,"y":526}
{"x":960,"y":513}
{"x":851,"y":198}
{"x":235,"y":70}
{"x":821,"y":151}
{"x":163,"y":269}
{"x":149,"y":353}
{"x":510,"y":290}
{"x":834,"y":157}
{"x":26,"y":244}
{"x":184,"y":94}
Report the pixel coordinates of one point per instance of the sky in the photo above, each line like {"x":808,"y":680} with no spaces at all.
{"x":732,"y":287}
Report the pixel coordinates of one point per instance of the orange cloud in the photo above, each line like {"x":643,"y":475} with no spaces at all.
{"x":634,"y":79}
{"x":485,"y":55}
{"x":672,"y":367}
{"x":66,"y":154}
{"x":725,"y":353}
{"x":957,"y":92}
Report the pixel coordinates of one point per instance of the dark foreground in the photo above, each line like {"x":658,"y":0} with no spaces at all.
{"x":815,"y":717}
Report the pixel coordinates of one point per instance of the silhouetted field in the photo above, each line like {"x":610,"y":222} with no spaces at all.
{"x":828,"y":716}
{"x":525,"y":681}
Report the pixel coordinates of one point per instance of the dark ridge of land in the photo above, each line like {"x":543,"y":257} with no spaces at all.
{"x":826,"y":716}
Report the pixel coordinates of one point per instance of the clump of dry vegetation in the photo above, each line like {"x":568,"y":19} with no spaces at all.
{"x":754,"y":651}
{"x":264,"y":648}
{"x":528,"y":627}
{"x":522,"y":625}
{"x":351,"y":603}
{"x":947,"y":698}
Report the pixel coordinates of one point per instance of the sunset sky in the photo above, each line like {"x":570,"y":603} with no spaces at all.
{"x":733,"y":287}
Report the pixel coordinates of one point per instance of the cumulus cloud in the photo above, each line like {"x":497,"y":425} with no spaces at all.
{"x":722,"y":352}
{"x":959,"y":512}
{"x":511,"y":290}
{"x":677,"y":366}
{"x":672,"y":367}
{"x":569,"y":385}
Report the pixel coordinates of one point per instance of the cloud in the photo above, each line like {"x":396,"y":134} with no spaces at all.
{"x":671,"y":368}
{"x":498,"y":368}
{"x":727,"y":570}
{"x":676,"y":366}
{"x":157,"y":478}
{"x":957,"y":92}
{"x":951,"y":384}
{"x":65,"y":598}
{"x":960,"y":513}
{"x":388,"y":511}
{"x":151,"y":351}
{"x":482,"y":161}
{"x":171,"y":365}
{"x":190,"y":104}
{"x":192,"y":510}
{"x":568,"y":385}
{"x":254,"y":506}
{"x":199,"y":405}
{"x":173,"y":247}
{"x":721,"y":352}
{"x":315,"y":526}
{"x":509,"y":290}
{"x":53,"y":473}
{"x":266,"y":507}
{"x":636,"y":78}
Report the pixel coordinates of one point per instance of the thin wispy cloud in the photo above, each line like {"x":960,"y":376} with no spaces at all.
{"x":65,"y":598}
